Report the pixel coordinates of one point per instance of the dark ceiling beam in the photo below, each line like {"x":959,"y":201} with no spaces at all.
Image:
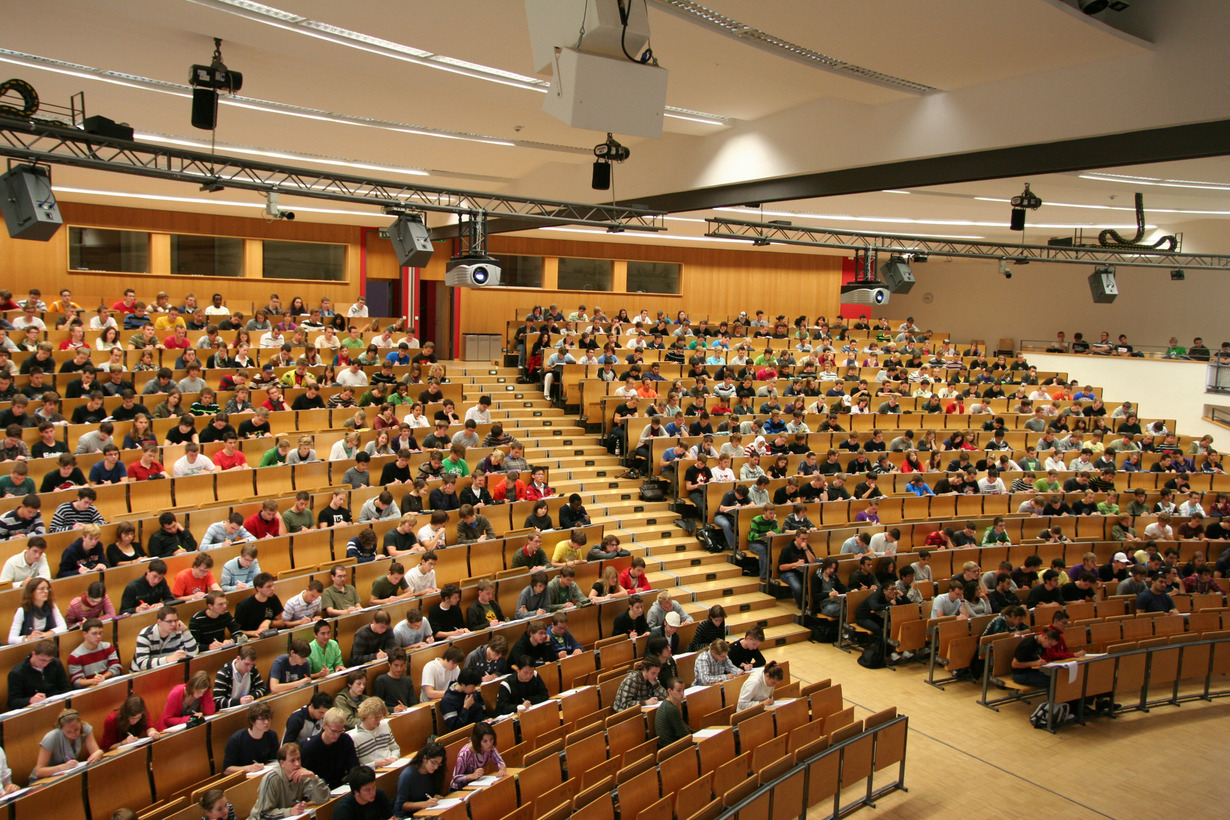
{"x":1178,"y":142}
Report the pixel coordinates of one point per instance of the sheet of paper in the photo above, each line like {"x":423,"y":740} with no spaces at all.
{"x":704,"y":733}
{"x":340,"y":790}
{"x":483,"y":782}
{"x":447,"y":803}
{"x":397,"y":764}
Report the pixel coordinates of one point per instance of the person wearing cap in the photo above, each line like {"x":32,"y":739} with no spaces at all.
{"x":669,"y":629}
{"x":664,"y":606}
{"x":1116,"y":570}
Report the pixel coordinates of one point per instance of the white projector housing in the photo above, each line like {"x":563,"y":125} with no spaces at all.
{"x":859,"y":295}
{"x":473,"y":272}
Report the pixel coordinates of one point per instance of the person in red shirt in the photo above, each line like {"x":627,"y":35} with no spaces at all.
{"x":633,"y":578}
{"x":230,"y":457}
{"x":147,"y":466}
{"x":128,"y":304}
{"x":265,"y":522}
{"x":193,"y":584}
{"x":1059,"y":650}
{"x":510,"y":484}
{"x":178,"y":340}
{"x":537,"y":488}
{"x":275,"y":401}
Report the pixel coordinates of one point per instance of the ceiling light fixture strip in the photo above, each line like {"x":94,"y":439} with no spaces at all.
{"x":261,"y":13}
{"x":67,"y":146}
{"x":855,"y":240}
{"x":707,"y":17}
{"x":269,"y":106}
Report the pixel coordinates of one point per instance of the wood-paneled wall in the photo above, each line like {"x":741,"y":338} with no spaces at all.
{"x":715,"y":282}
{"x":25,"y":264}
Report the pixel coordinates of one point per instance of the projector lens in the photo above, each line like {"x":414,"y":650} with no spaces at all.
{"x":481,"y":275}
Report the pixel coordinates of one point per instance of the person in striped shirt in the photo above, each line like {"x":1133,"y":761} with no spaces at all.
{"x":239,"y":682}
{"x":163,"y":642}
{"x":94,"y":661}
{"x":25,"y":520}
{"x":304,"y":607}
{"x":373,"y":739}
{"x":73,"y":515}
{"x":94,"y":603}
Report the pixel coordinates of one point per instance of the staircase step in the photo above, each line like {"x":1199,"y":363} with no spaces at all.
{"x":718,"y":591}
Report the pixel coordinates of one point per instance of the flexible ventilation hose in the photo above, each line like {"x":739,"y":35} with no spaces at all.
{"x":1110,"y":238}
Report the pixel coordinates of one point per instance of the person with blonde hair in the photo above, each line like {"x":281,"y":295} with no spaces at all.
{"x":374,"y":743}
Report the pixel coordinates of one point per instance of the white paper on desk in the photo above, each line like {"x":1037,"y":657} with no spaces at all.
{"x":397,"y":764}
{"x":692,"y":690}
{"x":701,"y":734}
{"x":178,"y":727}
{"x":340,"y":790}
{"x":782,"y":702}
{"x":135,"y":744}
{"x":264,"y":771}
{"x":484,"y":781}
{"x":1095,"y":655}
{"x":446,"y":803}
{"x":4,"y":798}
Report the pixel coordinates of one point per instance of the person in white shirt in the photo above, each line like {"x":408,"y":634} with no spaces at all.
{"x":885,"y":543}
{"x":422,"y":578}
{"x":272,"y":338}
{"x":1160,"y":530}
{"x":481,"y":412}
{"x":358,"y":310}
{"x":723,"y":471}
{"x":1192,"y":505}
{"x":1055,"y":462}
{"x":992,"y":484}
{"x":28,"y":319}
{"x":193,"y":463}
{"x":103,"y":319}
{"x":439,"y":674}
{"x":352,"y":376}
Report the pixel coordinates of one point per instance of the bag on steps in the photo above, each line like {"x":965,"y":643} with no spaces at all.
{"x":653,"y":489}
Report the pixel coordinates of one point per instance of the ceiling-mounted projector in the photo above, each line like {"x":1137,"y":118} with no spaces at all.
{"x":864,"y":294}
{"x":473,"y":272}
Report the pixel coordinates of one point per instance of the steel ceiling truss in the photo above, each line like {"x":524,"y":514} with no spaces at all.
{"x":769,"y":233}
{"x":58,"y":145}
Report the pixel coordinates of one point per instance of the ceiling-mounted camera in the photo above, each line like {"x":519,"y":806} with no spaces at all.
{"x":273,"y":212}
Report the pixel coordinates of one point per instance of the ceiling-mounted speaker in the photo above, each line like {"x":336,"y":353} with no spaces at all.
{"x":30,"y":210}
{"x":1103,"y":286}
{"x":411,"y":242}
{"x":896,"y":275}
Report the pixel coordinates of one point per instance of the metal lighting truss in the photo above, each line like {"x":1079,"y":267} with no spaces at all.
{"x":41,"y":142}
{"x":766,"y":233}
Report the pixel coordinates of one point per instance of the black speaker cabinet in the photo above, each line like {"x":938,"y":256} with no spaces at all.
{"x":29,"y":206}
{"x":411,"y":242}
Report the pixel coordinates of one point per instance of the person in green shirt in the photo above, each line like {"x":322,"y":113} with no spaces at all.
{"x":354,"y":339}
{"x":669,"y":720}
{"x":1048,"y":483}
{"x":997,"y":532}
{"x":18,"y":481}
{"x":339,"y":598}
{"x":563,"y":591}
{"x":277,"y":454}
{"x":758,"y":537}
{"x":326,"y":654}
{"x":455,"y":464}
{"x":300,"y":516}
{"x":1030,"y":463}
{"x":1174,"y":350}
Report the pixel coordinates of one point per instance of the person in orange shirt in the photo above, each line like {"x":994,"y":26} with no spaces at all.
{"x":192,"y":584}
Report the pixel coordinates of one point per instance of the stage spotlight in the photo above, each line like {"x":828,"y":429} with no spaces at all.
{"x":207,"y":82}
{"x":1026,"y":200}
{"x":1102,"y":285}
{"x":606,"y":153}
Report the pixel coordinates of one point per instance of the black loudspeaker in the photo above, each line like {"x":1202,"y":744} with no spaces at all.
{"x":897,"y":276}
{"x":204,"y":108}
{"x":602,"y":176}
{"x":1103,"y":286}
{"x":29,"y":206}
{"x":1018,"y":219}
{"x":411,"y":242}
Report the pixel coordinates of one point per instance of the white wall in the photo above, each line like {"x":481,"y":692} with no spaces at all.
{"x":974,"y":301}
{"x":1163,"y":389}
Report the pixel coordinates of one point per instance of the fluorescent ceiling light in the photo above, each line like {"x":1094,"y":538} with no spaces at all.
{"x":287,"y":21}
{"x":1128,"y":208}
{"x":265,"y":106}
{"x":895,"y":220}
{"x":608,"y":235}
{"x":256,"y":152}
{"x":196,"y":200}
{"x":1161,"y":183}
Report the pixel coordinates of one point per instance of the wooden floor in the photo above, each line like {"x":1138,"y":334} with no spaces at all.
{"x":964,"y":760}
